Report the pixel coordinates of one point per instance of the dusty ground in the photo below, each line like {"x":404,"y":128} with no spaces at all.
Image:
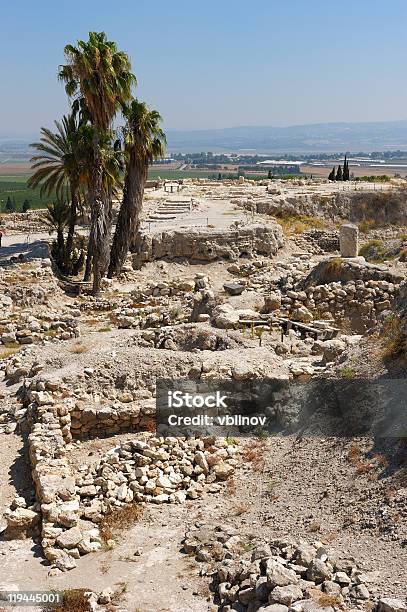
{"x":330,"y":490}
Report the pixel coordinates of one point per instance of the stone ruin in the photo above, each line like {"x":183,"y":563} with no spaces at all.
{"x":208,"y":244}
{"x":349,"y":240}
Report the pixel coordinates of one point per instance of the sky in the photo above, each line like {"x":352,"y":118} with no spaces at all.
{"x":215,"y":64}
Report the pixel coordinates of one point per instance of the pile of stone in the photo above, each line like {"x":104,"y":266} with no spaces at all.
{"x":155,"y":470}
{"x":170,"y":288}
{"x":31,"y":222}
{"x":285,"y":275}
{"x":151,"y":469}
{"x":24,"y":328}
{"x":20,"y":520}
{"x":247,"y":268}
{"x":186,"y":337}
{"x":282,"y":575}
{"x":353,"y":269}
{"x":174,"y":287}
{"x":28,"y":284}
{"x":141,"y":310}
{"x":18,"y":366}
{"x":225,"y":316}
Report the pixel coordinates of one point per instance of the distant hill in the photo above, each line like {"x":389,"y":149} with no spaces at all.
{"x":315,"y":138}
{"x":319,"y":137}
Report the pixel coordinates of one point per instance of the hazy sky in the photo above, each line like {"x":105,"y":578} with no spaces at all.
{"x":216,"y":63}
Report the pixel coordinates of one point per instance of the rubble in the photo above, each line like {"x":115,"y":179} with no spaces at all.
{"x":281,"y":573}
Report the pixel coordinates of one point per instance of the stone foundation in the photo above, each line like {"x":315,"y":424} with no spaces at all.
{"x":206,"y":244}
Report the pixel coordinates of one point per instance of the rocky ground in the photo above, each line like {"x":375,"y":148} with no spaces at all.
{"x":92,"y":499}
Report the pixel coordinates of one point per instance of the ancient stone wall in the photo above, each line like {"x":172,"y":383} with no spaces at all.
{"x":358,"y":303}
{"x":387,"y":207}
{"x":93,"y":421}
{"x":54,"y":483}
{"x":207,"y":244}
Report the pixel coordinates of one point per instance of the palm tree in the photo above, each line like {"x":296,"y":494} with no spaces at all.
{"x":57,"y":218}
{"x":144,"y":142}
{"x":100,"y":74}
{"x":60,"y":164}
{"x":112,"y":160}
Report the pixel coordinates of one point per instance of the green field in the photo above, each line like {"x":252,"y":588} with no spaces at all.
{"x":16,"y":188}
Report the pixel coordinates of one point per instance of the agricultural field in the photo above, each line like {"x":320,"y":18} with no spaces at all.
{"x":15,"y":188}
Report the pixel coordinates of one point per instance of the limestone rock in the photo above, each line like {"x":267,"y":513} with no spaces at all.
{"x":349,"y":240}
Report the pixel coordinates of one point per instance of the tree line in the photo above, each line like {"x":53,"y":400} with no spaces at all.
{"x":85,"y":162}
{"x":11,"y":205}
{"x":340,"y":174}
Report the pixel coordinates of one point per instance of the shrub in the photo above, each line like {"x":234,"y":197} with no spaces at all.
{"x":374,"y":250}
{"x":393,"y":338}
{"x":347,"y":373}
{"x":374,"y":179}
{"x":73,"y":600}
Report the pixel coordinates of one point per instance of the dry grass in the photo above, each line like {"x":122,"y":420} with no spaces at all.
{"x":348,"y":373}
{"x":6,"y":352}
{"x":254,"y":452}
{"x":355,"y":458}
{"x":324,"y":600}
{"x":367,"y":224}
{"x":314,"y":526}
{"x":403,"y":255}
{"x":79,"y":349}
{"x":394,"y":340}
{"x":298,"y":224}
{"x":354,"y":452}
{"x":330,"y":537}
{"x":334,"y":265}
{"x":119,"y":520}
{"x":241,"y":509}
{"x":50,"y":333}
{"x":231,"y":486}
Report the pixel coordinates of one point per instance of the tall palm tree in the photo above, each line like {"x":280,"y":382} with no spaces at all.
{"x":60,"y":164}
{"x":144,"y":142}
{"x":112,"y":160}
{"x":100,"y":74}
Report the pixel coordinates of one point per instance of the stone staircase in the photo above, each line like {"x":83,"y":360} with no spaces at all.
{"x":170,"y":209}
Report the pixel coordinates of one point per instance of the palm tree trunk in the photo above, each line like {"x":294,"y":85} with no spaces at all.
{"x":129,"y":215}
{"x":73,"y":213}
{"x":89,"y":259}
{"x":99,"y":236}
{"x":60,"y":247}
